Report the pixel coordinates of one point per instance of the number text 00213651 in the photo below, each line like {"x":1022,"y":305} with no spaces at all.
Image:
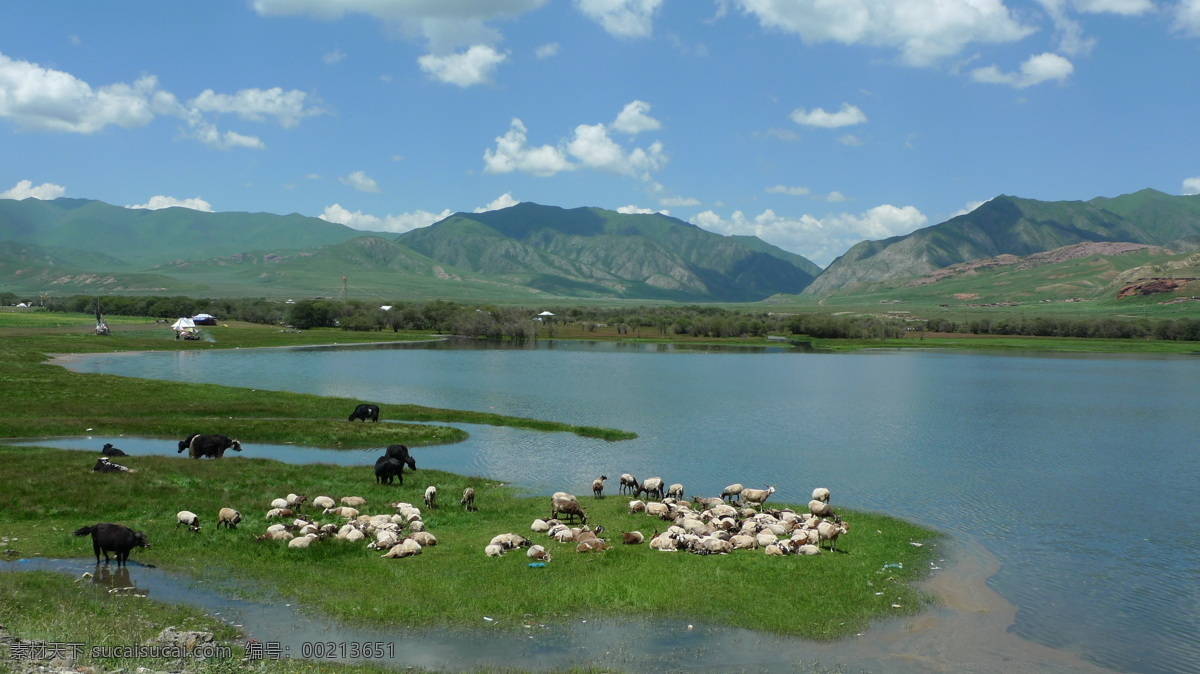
{"x":365,"y":650}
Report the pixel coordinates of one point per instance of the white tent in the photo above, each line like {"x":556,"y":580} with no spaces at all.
{"x":183,"y":323}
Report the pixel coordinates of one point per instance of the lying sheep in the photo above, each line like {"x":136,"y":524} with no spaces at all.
{"x":296,"y":500}
{"x":632,"y":537}
{"x":511,"y":541}
{"x":539,"y":526}
{"x":228,"y":517}
{"x":539,"y":553}
{"x":342,"y":511}
{"x":280,"y":503}
{"x":324,"y":502}
{"x":468,"y":499}
{"x":426,"y":539}
{"x":353,"y":501}
{"x":598,"y":486}
{"x":275,"y":536}
{"x":405,"y":548}
{"x":494,"y":550}
{"x":592,"y":545}
{"x":191,"y":519}
{"x":302,"y":541}
{"x":637,"y":507}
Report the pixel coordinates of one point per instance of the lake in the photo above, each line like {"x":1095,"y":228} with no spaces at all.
{"x":1077,"y":472}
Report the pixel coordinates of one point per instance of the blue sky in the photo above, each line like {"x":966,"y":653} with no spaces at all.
{"x":812,"y":124}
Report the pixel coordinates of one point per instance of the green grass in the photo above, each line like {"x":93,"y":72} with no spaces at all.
{"x":453,"y":583}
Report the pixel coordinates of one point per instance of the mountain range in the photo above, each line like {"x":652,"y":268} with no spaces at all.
{"x":526,"y":251}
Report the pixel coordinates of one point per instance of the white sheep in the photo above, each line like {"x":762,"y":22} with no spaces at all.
{"x":279,"y":503}
{"x":732,"y":492}
{"x":431,"y":496}
{"x":342,"y":511}
{"x":302,"y":541}
{"x":283,"y":535}
{"x":808,"y":550}
{"x":598,"y":486}
{"x":629,"y":484}
{"x":539,"y":553}
{"x":510,"y":541}
{"x":756,"y":497}
{"x":405,"y":548}
{"x":652,"y":485}
{"x":324,"y":502}
{"x":296,"y":500}
{"x":744,"y":542}
{"x":675,"y":491}
{"x":539,"y":526}
{"x":468,"y":499}
{"x":191,"y":519}
{"x":820,"y":508}
{"x":426,"y":539}
{"x":636,"y":506}
{"x":494,"y":550}
{"x":821,"y":494}
{"x":228,"y":517}
{"x":829,"y":531}
{"x":353,"y":501}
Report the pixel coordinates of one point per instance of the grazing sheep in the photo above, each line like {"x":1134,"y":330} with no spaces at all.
{"x":820,"y":508}
{"x":353,"y":501}
{"x":539,"y":553}
{"x":598,"y":486}
{"x":324,"y":502}
{"x":494,"y":550}
{"x":280,"y":503}
{"x":675,"y":491}
{"x":431,"y":496}
{"x":756,"y":497}
{"x":275,"y":513}
{"x":468,"y":498}
{"x":651,"y":486}
{"x":821,"y":494}
{"x":229,"y":517}
{"x":629,"y":484}
{"x":632,"y":537}
{"x":707,"y":503}
{"x":732,"y":492}
{"x":569,"y":507}
{"x":191,"y":519}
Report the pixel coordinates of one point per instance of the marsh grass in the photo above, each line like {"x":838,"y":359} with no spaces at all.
{"x":48,"y":493}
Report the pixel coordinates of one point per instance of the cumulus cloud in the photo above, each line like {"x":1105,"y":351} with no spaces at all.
{"x":503,"y":201}
{"x":589,"y":147}
{"x":390,"y":223}
{"x":1123,"y":7}
{"x":547,"y":50}
{"x":24,"y":189}
{"x":634,"y":210}
{"x":1035,"y":70}
{"x":1187,"y":18}
{"x":159,"y":202}
{"x":445,"y":25}
{"x":622,"y":18}
{"x":1190,"y":185}
{"x":923,"y":31}
{"x":633,"y":119}
{"x":474,"y":66}
{"x":818,"y":239}
{"x":849,"y":115}
{"x":44,"y":99}
{"x":360,"y":181}
{"x":791,"y":191}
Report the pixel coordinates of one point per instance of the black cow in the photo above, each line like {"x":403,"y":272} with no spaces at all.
{"x":364,"y":412}
{"x":211,"y":446}
{"x":109,"y":450}
{"x":386,"y":469}
{"x":400,"y":453}
{"x":115,"y":537}
{"x":186,"y":442}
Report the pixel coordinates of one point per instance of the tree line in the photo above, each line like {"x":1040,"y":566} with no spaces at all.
{"x":509,"y":322}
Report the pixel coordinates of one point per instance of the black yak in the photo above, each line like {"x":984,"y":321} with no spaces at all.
{"x":212,"y":446}
{"x":115,"y":537}
{"x":109,"y":450}
{"x":364,"y":412}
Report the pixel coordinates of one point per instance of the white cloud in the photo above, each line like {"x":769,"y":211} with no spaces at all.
{"x":391,"y":223}
{"x":924,"y":31}
{"x":1187,"y":17}
{"x":590,"y":147}
{"x":1190,"y":185}
{"x":1124,"y":7}
{"x":633,"y":119}
{"x":1035,"y":70}
{"x":513,"y":154}
{"x":159,"y":202}
{"x":849,"y":115}
{"x":679,"y":201}
{"x":360,"y":181}
{"x":622,"y":18}
{"x":634,"y":210}
{"x":971,"y":206}
{"x":445,"y":25}
{"x":24,"y":189}
{"x":503,"y":201}
{"x":850,"y":140}
{"x":791,"y":191}
{"x":286,"y":107}
{"x":332,"y":57}
{"x":474,"y":66}
{"x":818,"y":239}
{"x":547,"y":50}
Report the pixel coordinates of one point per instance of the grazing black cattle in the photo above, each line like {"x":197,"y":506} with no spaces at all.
{"x":109,"y":450}
{"x":211,"y":446}
{"x":400,"y":453}
{"x":386,"y":469}
{"x":364,"y":412}
{"x":186,"y":442}
{"x":115,"y":537}
{"x":103,"y":465}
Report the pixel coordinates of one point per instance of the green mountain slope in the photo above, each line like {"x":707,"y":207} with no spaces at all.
{"x":144,"y":237}
{"x":1009,"y":225}
{"x":31,"y":268}
{"x":596,"y":251}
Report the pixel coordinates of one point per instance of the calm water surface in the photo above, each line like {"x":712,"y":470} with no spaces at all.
{"x":1078,"y":472}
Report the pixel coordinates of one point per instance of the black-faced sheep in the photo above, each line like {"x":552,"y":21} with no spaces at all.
{"x":598,"y":486}
{"x":629,"y":484}
{"x":229,"y":518}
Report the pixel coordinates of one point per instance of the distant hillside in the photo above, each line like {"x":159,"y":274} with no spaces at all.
{"x":62,"y":270}
{"x":597,"y":252}
{"x":1009,"y":225}
{"x":142,"y":237}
